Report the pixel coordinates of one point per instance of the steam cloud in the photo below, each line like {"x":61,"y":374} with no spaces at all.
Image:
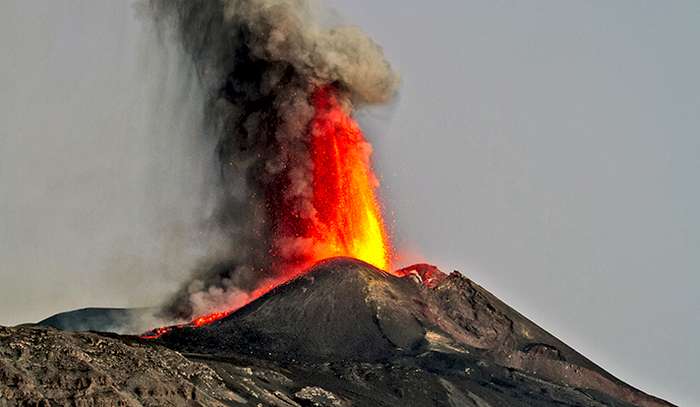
{"x":259,"y":61}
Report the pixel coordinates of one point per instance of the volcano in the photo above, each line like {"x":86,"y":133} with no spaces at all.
{"x":347,"y":333}
{"x":463,"y":342}
{"x":298,"y":303}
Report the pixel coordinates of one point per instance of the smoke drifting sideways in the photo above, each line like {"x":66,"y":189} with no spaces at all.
{"x":259,"y":63}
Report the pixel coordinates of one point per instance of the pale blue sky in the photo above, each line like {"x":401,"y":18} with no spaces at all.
{"x":549,"y":150}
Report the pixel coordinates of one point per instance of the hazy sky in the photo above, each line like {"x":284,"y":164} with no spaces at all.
{"x":549,"y":150}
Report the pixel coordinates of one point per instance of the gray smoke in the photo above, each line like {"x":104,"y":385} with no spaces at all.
{"x":259,"y":62}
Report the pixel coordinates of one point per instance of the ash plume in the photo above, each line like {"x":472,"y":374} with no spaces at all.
{"x":259,"y":62}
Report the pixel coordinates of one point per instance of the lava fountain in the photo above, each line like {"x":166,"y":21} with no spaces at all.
{"x":347,"y":219}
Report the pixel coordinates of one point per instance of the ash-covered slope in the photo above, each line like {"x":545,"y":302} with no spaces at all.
{"x":425,"y":339}
{"x":120,"y":320}
{"x":333,"y":312}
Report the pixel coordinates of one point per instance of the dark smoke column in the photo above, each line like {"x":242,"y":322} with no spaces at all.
{"x":260,"y":63}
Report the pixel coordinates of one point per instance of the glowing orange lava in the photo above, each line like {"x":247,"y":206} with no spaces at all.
{"x":348,"y":219}
{"x":199,"y":321}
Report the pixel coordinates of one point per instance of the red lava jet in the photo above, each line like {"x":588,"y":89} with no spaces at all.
{"x":348,"y":219}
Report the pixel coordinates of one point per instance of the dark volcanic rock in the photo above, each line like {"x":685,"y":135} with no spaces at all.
{"x":345,"y":334}
{"x":338,"y":311}
{"x":101,"y":319}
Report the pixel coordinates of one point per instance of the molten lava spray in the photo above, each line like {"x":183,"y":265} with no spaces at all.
{"x":347,"y":218}
{"x":295,"y":184}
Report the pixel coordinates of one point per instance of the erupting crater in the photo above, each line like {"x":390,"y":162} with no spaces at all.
{"x":345,"y":219}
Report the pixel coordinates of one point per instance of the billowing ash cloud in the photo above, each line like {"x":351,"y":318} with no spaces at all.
{"x":259,"y":62}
